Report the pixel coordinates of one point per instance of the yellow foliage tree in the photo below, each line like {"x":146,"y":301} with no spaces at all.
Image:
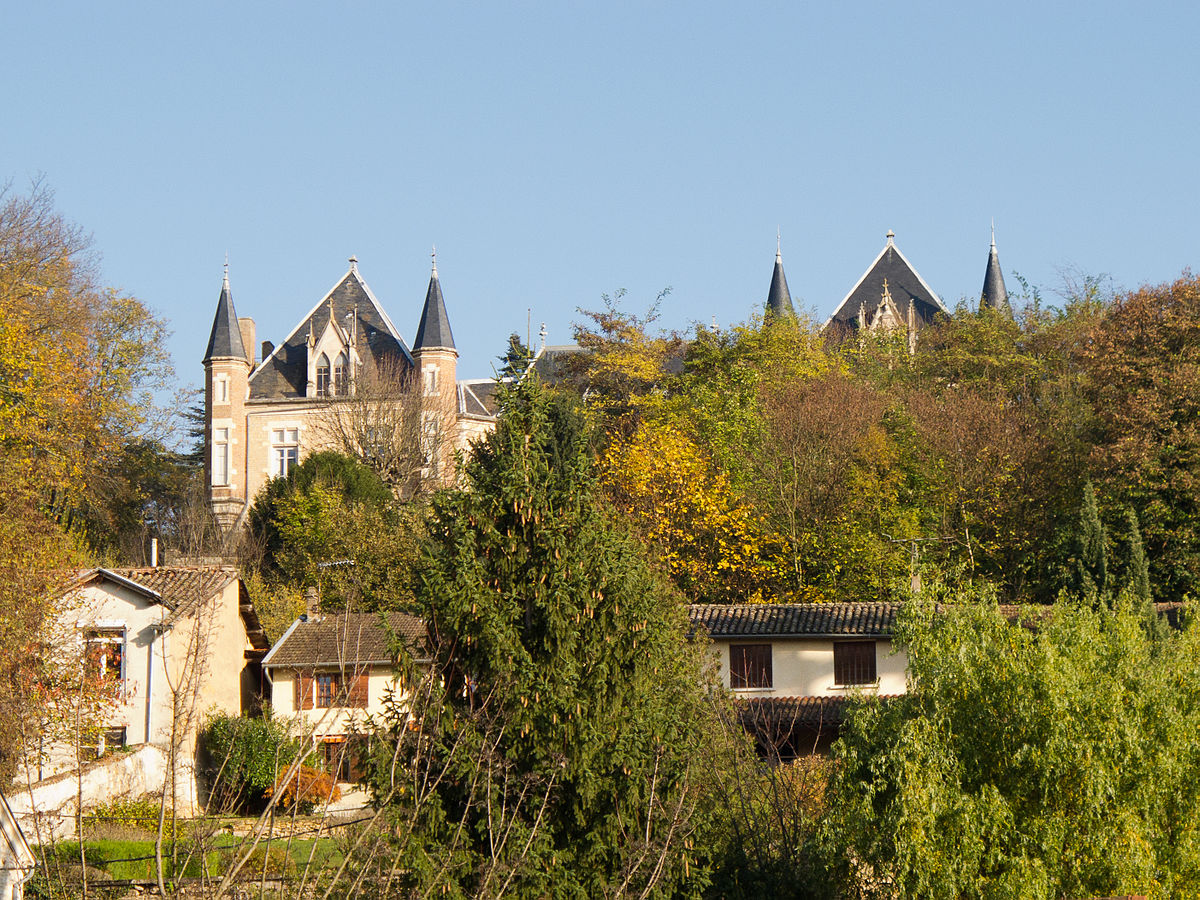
{"x":710,"y":540}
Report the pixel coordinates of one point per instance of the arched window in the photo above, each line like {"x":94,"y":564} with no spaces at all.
{"x":323,"y":376}
{"x":339,"y":375}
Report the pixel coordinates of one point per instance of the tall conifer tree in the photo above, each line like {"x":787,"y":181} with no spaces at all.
{"x":567,"y":670}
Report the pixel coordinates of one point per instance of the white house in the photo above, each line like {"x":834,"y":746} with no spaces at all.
{"x":792,"y":666}
{"x":333,"y":671}
{"x":16,"y":858}
{"x":159,"y":647}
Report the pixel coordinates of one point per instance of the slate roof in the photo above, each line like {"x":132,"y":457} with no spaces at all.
{"x":434,"y":330}
{"x":779,"y":299}
{"x":284,"y":373}
{"x":477,"y":397}
{"x":906,"y":287}
{"x":345,"y":639}
{"x":795,"y":619}
{"x":225,"y":339}
{"x":994,"y":294}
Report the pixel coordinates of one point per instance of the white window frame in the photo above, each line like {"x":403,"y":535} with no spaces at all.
{"x":285,"y":450}
{"x":104,"y":634}
{"x":220,"y":457}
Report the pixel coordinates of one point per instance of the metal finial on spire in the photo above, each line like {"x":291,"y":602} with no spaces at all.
{"x":434,"y":255}
{"x":226,"y":279}
{"x":542,"y":335}
{"x":891,"y":237}
{"x":993,"y":232}
{"x":778,"y":243}
{"x":354,"y":264}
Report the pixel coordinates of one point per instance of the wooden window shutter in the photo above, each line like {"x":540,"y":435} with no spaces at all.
{"x":750,"y":666}
{"x":854,"y":662}
{"x":359,"y":691}
{"x":305,"y":691}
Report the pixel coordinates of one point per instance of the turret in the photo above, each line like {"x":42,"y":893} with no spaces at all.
{"x":226,"y":377}
{"x":779,"y":299}
{"x":994,"y":295}
{"x":436,"y":361}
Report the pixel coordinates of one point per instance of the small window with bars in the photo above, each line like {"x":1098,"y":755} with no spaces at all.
{"x":854,"y":662}
{"x":749,"y":666}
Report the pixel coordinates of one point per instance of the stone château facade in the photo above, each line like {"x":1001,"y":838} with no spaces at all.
{"x":264,"y":414}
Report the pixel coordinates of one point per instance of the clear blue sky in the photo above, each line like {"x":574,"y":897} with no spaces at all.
{"x":557,"y":151}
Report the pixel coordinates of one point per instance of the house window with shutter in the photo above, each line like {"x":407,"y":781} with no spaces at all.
{"x":854,"y":662}
{"x":328,"y":688}
{"x":750,"y":666}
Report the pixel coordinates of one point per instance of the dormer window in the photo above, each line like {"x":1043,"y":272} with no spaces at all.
{"x":339,"y":375}
{"x":323,"y":376}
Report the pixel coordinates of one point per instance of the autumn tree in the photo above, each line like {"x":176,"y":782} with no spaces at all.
{"x":711,"y":540}
{"x":1142,"y":380}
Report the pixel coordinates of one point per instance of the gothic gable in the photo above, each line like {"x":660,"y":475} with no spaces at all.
{"x":349,"y":309}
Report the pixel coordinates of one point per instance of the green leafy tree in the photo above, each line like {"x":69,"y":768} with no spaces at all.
{"x":574,"y":709}
{"x":332,"y":524}
{"x":1054,"y":756}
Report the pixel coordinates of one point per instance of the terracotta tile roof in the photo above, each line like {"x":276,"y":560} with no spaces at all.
{"x":182,"y":589}
{"x":795,"y":619}
{"x":341,"y":639}
{"x":793,"y":711}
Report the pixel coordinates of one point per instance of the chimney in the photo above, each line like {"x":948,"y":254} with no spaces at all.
{"x":267,"y":349}
{"x":246,"y":327}
{"x":154,"y":553}
{"x":312,"y":604}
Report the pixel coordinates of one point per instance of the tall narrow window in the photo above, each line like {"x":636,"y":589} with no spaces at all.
{"x":220,"y":389}
{"x":323,"y":376}
{"x":104,"y":655}
{"x":750,"y":666}
{"x":339,"y":375}
{"x":431,"y":381}
{"x":328,"y":686}
{"x":854,"y":662}
{"x":220,"y":456}
{"x":285,"y":450}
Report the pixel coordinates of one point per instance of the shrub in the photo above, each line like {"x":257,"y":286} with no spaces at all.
{"x":113,"y":819}
{"x":306,"y":789}
{"x":242,"y":758}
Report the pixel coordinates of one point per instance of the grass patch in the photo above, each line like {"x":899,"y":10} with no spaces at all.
{"x":134,"y":860}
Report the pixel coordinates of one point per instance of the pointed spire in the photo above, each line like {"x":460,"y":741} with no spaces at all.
{"x":779,"y":299}
{"x":994,"y":294}
{"x":434,"y":330}
{"x":225,"y":339}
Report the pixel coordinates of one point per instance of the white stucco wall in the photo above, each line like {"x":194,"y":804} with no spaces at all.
{"x":330,"y":721}
{"x":803,"y":667}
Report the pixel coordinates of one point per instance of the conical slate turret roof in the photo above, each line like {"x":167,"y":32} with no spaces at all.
{"x":994,"y":295}
{"x":226,"y":338}
{"x":434,"y":330}
{"x":779,"y":300}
